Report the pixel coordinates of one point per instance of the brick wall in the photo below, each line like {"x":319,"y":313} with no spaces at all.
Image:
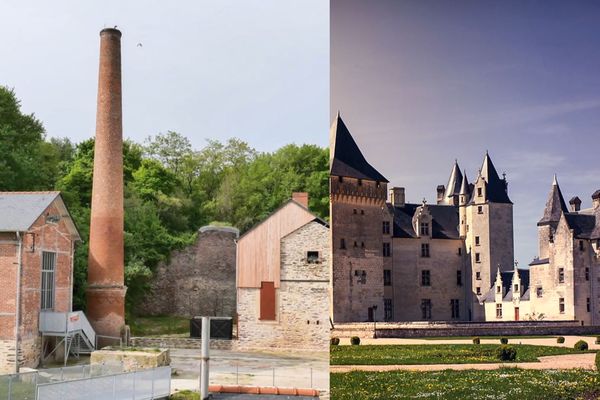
{"x":302,"y":301}
{"x":198,"y":280}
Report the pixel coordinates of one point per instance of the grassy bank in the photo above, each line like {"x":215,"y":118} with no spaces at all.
{"x":158,"y":326}
{"x":435,"y":354}
{"x":502,"y":384}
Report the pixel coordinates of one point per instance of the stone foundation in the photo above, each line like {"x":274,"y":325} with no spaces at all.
{"x":132,"y":360}
{"x":7,"y":356}
{"x":29,"y":354}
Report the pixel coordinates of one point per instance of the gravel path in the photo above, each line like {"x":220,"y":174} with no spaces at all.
{"x":567,"y":361}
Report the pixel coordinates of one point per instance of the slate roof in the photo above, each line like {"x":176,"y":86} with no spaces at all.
{"x":555,"y":206}
{"x":539,"y":261}
{"x":585,"y":226}
{"x":507,"y":277}
{"x":444,"y":221}
{"x":454,"y":182}
{"x":346,"y":157}
{"x":495,"y":187}
{"x":19,"y":210}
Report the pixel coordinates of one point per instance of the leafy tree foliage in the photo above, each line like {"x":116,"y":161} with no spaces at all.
{"x":171,"y":189}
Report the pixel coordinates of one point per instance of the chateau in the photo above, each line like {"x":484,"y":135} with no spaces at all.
{"x":397,"y":261}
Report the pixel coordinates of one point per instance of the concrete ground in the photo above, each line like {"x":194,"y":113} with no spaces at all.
{"x":549,"y":341}
{"x":285,"y":370}
{"x":225,"y":396}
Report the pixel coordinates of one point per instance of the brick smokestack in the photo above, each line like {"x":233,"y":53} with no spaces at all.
{"x":106,"y":290}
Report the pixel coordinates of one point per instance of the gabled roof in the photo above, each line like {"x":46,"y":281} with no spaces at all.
{"x":507,"y":278}
{"x":495,"y":187}
{"x":346,"y":158}
{"x":454,"y":182}
{"x":555,"y":205}
{"x":19,"y":210}
{"x":444,"y":221}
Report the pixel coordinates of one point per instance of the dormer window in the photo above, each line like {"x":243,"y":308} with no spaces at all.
{"x":424,"y":228}
{"x":516,"y":289}
{"x":479,"y":192}
{"x":498,"y":289}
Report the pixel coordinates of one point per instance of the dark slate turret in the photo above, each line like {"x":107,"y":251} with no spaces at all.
{"x":346,"y":158}
{"x":555,"y":206}
{"x":454,"y":182}
{"x":496,"y":188}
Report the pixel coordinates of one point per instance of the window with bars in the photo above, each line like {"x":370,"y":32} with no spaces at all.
{"x":47,"y":290}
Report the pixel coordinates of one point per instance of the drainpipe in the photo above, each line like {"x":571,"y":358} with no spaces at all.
{"x":18,"y":302}
{"x":71,"y":279}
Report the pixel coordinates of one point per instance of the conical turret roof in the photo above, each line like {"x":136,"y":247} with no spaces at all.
{"x":454,"y":182}
{"x":555,"y":206}
{"x":496,"y":187}
{"x":346,"y":159}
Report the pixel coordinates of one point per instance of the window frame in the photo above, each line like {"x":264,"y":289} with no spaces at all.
{"x":48,"y":281}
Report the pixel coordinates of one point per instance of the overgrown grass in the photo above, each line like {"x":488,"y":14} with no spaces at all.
{"x":435,"y":354}
{"x":185,"y":395}
{"x":501,"y":384}
{"x":159,"y":326}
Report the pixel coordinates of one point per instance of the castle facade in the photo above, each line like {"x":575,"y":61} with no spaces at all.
{"x":399,"y":261}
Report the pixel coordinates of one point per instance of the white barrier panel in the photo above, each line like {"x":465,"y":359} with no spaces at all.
{"x":140,"y":385}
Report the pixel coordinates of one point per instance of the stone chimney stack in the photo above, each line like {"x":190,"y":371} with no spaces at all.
{"x":575,"y":204}
{"x":441,"y":189}
{"x":106,"y":290}
{"x":397,"y":196}
{"x":596,"y":199}
{"x":300,"y":197}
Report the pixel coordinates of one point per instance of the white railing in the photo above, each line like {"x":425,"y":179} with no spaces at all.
{"x":77,"y":321}
{"x":145,"y":384}
{"x":63,"y":323}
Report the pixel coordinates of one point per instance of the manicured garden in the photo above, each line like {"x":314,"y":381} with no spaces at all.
{"x":501,"y":384}
{"x":436,"y":354}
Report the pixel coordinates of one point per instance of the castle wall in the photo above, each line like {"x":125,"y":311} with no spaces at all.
{"x":198,"y":280}
{"x":302,"y":300}
{"x":443,"y":264}
{"x":357,"y":212}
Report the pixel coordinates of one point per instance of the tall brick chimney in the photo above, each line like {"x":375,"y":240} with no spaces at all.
{"x":106,"y":290}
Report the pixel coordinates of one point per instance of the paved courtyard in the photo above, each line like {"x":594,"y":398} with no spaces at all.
{"x":286,"y":370}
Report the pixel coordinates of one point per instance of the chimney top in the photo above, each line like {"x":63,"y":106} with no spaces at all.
{"x":110,"y":31}
{"x":300,"y":197}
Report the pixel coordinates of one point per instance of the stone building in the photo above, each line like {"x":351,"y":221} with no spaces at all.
{"x":563,"y":280}
{"x":198,"y":280}
{"x":283,"y":281}
{"x":37,"y":241}
{"x":397,"y":261}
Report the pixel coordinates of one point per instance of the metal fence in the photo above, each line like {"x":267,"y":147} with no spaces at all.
{"x":22,"y":386}
{"x":145,"y":384}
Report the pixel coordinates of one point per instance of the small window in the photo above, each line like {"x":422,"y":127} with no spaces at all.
{"x":499,"y":289}
{"x":581,"y":245}
{"x":588,"y":305}
{"x":551,"y":238}
{"x":477,"y":257}
{"x":587,"y":273}
{"x":312,"y":257}
{"x":516,"y":289}
{"x":539,"y":292}
{"x":426,"y":308}
{"x":360,"y":182}
{"x":460,"y":251}
{"x":479,"y":192}
{"x":340,"y":179}
{"x":386,"y":227}
{"x":354,"y":211}
{"x":342,"y":244}
{"x":424,"y":249}
{"x":479,"y":209}
{"x":377,"y":184}
{"x":458,"y":278}
{"x":476,"y":240}
{"x":499,"y":311}
{"x":425,"y":278}
{"x":387,"y":252}
{"x":267,"y":301}
{"x":561,"y":305}
{"x":561,"y":275}
{"x":478,"y":290}
{"x":355,"y":243}
{"x":387,"y":277}
{"x":362,"y":245}
{"x":424,"y":228}
{"x":362,"y":212}
{"x":478,"y":275}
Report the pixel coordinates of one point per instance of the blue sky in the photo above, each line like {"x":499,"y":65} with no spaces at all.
{"x":257,"y":69}
{"x":421,"y":83}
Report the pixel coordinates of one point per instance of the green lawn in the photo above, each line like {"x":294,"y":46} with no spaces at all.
{"x":159,"y":326}
{"x":434,"y":354}
{"x":501,"y":384}
{"x":510,"y":338}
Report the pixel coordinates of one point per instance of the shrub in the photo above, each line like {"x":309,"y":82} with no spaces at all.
{"x":506,"y":353}
{"x":598,"y":361}
{"x":476,"y":340}
{"x":597,"y":339}
{"x":355,"y":340}
{"x":335,"y":341}
{"x":581,"y":345}
{"x":560,"y":339}
{"x":504,"y":340}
